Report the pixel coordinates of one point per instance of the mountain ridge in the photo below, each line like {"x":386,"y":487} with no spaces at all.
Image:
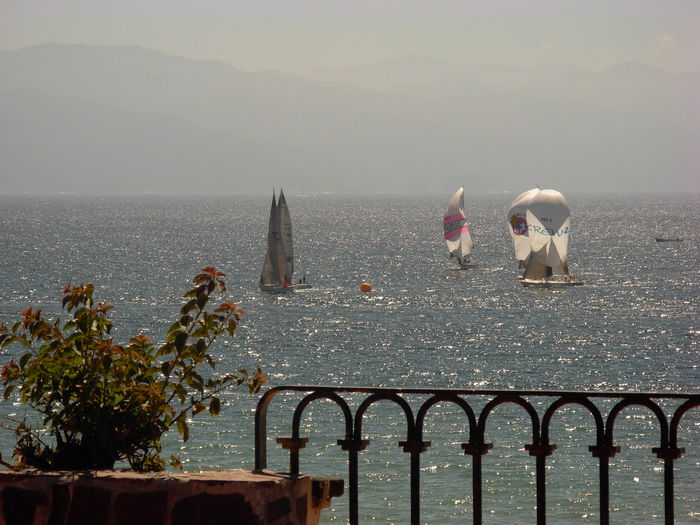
{"x":583,"y":131}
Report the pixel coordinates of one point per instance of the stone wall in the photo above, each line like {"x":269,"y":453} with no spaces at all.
{"x":225,"y":497}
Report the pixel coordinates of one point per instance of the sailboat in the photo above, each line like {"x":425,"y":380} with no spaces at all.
{"x":278,"y":268}
{"x":548,"y":224}
{"x":459,"y":241}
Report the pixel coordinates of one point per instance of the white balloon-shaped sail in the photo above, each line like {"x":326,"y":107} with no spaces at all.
{"x":549,"y":221}
{"x":518,"y":225}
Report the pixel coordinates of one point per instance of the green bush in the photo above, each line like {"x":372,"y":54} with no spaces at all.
{"x":102,"y":402}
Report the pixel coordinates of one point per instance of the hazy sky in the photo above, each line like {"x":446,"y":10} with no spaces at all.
{"x":298,"y":35}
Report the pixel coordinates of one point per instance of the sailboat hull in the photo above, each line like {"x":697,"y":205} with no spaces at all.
{"x":468,"y":265}
{"x":276,"y":288}
{"x":273,"y":288}
{"x":551,"y":283}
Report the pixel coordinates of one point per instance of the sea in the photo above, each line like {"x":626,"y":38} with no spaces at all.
{"x":633,"y":326}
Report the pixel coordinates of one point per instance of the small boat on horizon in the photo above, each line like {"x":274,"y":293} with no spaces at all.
{"x":278,"y":269}
{"x":457,"y":236}
{"x":669,"y":239}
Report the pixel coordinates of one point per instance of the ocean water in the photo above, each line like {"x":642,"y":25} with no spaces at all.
{"x":634,"y":326}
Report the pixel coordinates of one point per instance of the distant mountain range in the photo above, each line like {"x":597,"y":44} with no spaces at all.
{"x":127,"y":119}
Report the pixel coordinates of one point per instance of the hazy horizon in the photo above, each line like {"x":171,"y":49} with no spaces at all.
{"x":327,"y":96}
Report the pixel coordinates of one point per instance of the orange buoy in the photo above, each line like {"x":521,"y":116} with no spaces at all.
{"x":365,"y":287}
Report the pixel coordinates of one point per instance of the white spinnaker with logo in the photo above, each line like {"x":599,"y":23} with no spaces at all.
{"x":517,"y":224}
{"x":549,"y":221}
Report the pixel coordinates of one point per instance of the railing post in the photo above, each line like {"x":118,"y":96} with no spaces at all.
{"x":669,"y":455}
{"x":293,"y":444}
{"x":541,"y":451}
{"x":476,"y":450}
{"x":415,"y":448}
{"x":604,"y":453}
{"x":353,"y":446}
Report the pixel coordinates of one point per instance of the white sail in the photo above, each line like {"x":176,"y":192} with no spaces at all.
{"x":285,"y":229}
{"x":268,"y":275}
{"x":535,"y":269}
{"x":518,"y":225}
{"x":457,"y":236}
{"x":274,"y":267}
{"x":548,"y":233}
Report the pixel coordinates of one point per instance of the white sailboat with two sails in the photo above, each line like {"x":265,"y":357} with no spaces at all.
{"x":539,"y":222}
{"x":278,"y":269}
{"x":457,"y":237}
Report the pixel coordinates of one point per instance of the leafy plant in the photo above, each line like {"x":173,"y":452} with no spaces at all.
{"x":102,"y":402}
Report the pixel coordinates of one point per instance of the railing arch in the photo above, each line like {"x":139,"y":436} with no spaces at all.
{"x":332,"y":396}
{"x":419,"y":445}
{"x":574,"y":400}
{"x":641,"y":401}
{"x":509,"y":398}
{"x":446,"y":398}
{"x":536,"y":448}
{"x":678,"y":416}
{"x":599,"y":449}
{"x":664,"y":451}
{"x":374,"y":398}
{"x":296,"y":442}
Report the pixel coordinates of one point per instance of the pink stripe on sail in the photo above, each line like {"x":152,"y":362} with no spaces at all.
{"x":454,"y":225}
{"x":456,"y":233}
{"x":454,"y":217}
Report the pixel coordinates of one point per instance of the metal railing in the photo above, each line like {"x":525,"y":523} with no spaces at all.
{"x":603,"y":449}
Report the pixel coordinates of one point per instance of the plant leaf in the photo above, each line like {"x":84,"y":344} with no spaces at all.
{"x":182,"y":428}
{"x":180,"y":340}
{"x":214,"y":406}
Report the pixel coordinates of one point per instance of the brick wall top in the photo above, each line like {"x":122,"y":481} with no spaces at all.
{"x":167,"y":498}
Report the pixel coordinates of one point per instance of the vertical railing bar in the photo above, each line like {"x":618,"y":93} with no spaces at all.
{"x":668,"y":491}
{"x":260,"y":442}
{"x":541,"y":451}
{"x":477,"y":503}
{"x":604,"y":490}
{"x":294,"y":462}
{"x":354,"y":489}
{"x":415,"y":488}
{"x":541,"y":495}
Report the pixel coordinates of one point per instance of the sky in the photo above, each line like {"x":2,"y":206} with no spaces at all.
{"x":303,"y":35}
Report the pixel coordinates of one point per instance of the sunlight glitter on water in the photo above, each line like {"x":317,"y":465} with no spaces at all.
{"x":633,"y":326}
